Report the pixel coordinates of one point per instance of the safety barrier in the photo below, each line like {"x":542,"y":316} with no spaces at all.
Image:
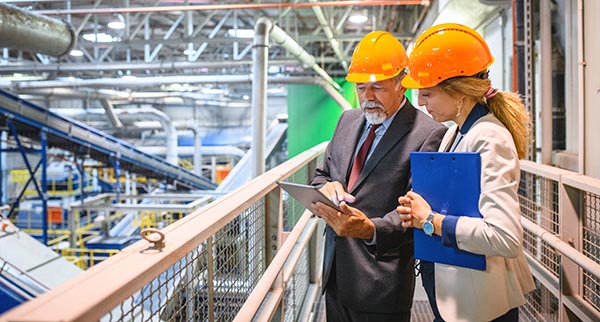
{"x":208,"y":266}
{"x":236,"y":259}
{"x":561,"y":217}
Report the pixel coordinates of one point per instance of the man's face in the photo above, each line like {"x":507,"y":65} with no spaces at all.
{"x":380,"y":100}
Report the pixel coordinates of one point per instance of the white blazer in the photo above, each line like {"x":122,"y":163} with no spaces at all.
{"x":471,"y":295}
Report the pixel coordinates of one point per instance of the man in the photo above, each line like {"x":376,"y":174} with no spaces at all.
{"x":368,"y":263}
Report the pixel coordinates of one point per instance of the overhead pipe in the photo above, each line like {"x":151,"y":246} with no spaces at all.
{"x":110,"y":113}
{"x":283,"y":39}
{"x":60,"y":88}
{"x":165,"y":121}
{"x":247,"y":6}
{"x":197,"y":157}
{"x":264,"y":29}
{"x":260,"y":56}
{"x":161,"y":65}
{"x":335,"y":45}
{"x":31,"y":32}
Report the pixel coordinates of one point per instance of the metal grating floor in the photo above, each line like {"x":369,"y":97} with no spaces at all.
{"x":421,"y":312}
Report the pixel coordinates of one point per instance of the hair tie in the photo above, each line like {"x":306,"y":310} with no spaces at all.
{"x":491,"y":92}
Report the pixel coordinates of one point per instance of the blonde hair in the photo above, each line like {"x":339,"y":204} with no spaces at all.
{"x":506,"y":106}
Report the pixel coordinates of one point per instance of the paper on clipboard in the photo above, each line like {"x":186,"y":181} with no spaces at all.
{"x":306,"y":194}
{"x":450,"y":182}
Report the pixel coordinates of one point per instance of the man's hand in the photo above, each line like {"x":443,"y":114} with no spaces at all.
{"x":349,"y":222}
{"x":336,"y":193}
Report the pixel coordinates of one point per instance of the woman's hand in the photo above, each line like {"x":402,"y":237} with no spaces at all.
{"x":413,"y":210}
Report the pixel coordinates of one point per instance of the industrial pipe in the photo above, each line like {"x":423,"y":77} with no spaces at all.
{"x":165,"y":121}
{"x":27,"y":31}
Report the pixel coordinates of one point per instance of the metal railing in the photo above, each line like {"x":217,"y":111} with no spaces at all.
{"x":237,"y":259}
{"x":232,"y":259}
{"x":561,"y":216}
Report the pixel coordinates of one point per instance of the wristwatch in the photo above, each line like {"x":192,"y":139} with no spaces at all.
{"x":428,"y":227}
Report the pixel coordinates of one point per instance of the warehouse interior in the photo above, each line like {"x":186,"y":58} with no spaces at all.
{"x":120,"y":118}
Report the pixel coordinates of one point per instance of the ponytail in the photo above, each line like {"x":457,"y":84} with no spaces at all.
{"x":506,"y":106}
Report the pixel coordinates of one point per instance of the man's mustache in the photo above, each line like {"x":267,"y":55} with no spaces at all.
{"x":370,"y":104}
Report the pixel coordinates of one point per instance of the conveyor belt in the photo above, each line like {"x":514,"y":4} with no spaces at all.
{"x":82,"y":139}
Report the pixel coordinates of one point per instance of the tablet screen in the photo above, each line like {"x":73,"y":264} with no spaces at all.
{"x":306,"y":194}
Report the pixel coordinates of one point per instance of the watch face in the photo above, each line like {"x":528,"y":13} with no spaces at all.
{"x":428,"y":228}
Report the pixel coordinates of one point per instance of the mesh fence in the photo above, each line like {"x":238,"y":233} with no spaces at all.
{"x":210,"y":283}
{"x":541,"y":305}
{"x":591,"y":246}
{"x":538,"y":197}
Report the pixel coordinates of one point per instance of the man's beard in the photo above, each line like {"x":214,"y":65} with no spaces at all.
{"x":376,"y":117}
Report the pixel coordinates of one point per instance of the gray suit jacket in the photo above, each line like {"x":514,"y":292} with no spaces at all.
{"x":378,"y":278}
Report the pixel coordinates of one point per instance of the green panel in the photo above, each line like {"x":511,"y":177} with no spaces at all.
{"x":313,"y":115}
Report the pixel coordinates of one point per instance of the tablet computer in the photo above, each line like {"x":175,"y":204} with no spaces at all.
{"x":306,"y":194}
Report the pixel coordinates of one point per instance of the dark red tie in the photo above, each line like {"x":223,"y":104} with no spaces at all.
{"x":361,"y":156}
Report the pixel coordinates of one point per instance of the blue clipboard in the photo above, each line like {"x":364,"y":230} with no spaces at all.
{"x":450,"y":182}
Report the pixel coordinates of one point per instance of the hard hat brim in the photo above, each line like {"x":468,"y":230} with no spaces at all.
{"x":409,"y":82}
{"x":368,"y":78}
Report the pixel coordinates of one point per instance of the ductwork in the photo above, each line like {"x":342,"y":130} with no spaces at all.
{"x":264,"y":29}
{"x":335,"y":45}
{"x":27,"y":31}
{"x":197,"y":157}
{"x":165,"y":121}
{"x":59,"y":88}
{"x":283,"y":39}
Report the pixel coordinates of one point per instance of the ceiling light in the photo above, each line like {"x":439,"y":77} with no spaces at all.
{"x":358,"y":18}
{"x":100,"y":37}
{"x":241,"y":33}
{"x":76,"y":53}
{"x":116,"y":25}
{"x":189,"y":52}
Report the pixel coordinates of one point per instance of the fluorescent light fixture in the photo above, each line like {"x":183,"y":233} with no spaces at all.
{"x":358,"y":18}
{"x":241,"y":33}
{"x":76,"y":53}
{"x":100,"y":37}
{"x":118,"y":25}
{"x":189,"y":52}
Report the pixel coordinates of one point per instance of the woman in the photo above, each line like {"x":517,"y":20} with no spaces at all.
{"x":449,"y":67}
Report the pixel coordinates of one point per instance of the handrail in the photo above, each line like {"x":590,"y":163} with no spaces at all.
{"x":105,"y":286}
{"x":562,"y":247}
{"x":112,"y":283}
{"x":274,"y":270}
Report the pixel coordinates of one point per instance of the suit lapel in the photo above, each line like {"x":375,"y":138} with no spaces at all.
{"x":401,"y":125}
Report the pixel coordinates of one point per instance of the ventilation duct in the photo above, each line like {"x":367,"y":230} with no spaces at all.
{"x":26,"y":31}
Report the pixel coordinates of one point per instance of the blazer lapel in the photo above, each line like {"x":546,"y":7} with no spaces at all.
{"x":401,"y":125}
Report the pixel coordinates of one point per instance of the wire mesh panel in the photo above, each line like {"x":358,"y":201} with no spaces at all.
{"x":541,"y":305}
{"x":538,"y":197}
{"x":209,"y":284}
{"x":292,"y":209}
{"x":591,"y":246}
{"x":296,"y":289}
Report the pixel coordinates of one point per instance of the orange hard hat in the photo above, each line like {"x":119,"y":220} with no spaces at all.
{"x":378,"y":56}
{"x":445,"y":51}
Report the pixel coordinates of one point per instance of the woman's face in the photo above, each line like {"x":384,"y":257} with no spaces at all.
{"x":438,"y":103}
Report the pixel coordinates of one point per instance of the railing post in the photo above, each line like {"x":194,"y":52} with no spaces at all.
{"x":211,"y":279}
{"x":570,"y":232}
{"x":273,"y":223}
